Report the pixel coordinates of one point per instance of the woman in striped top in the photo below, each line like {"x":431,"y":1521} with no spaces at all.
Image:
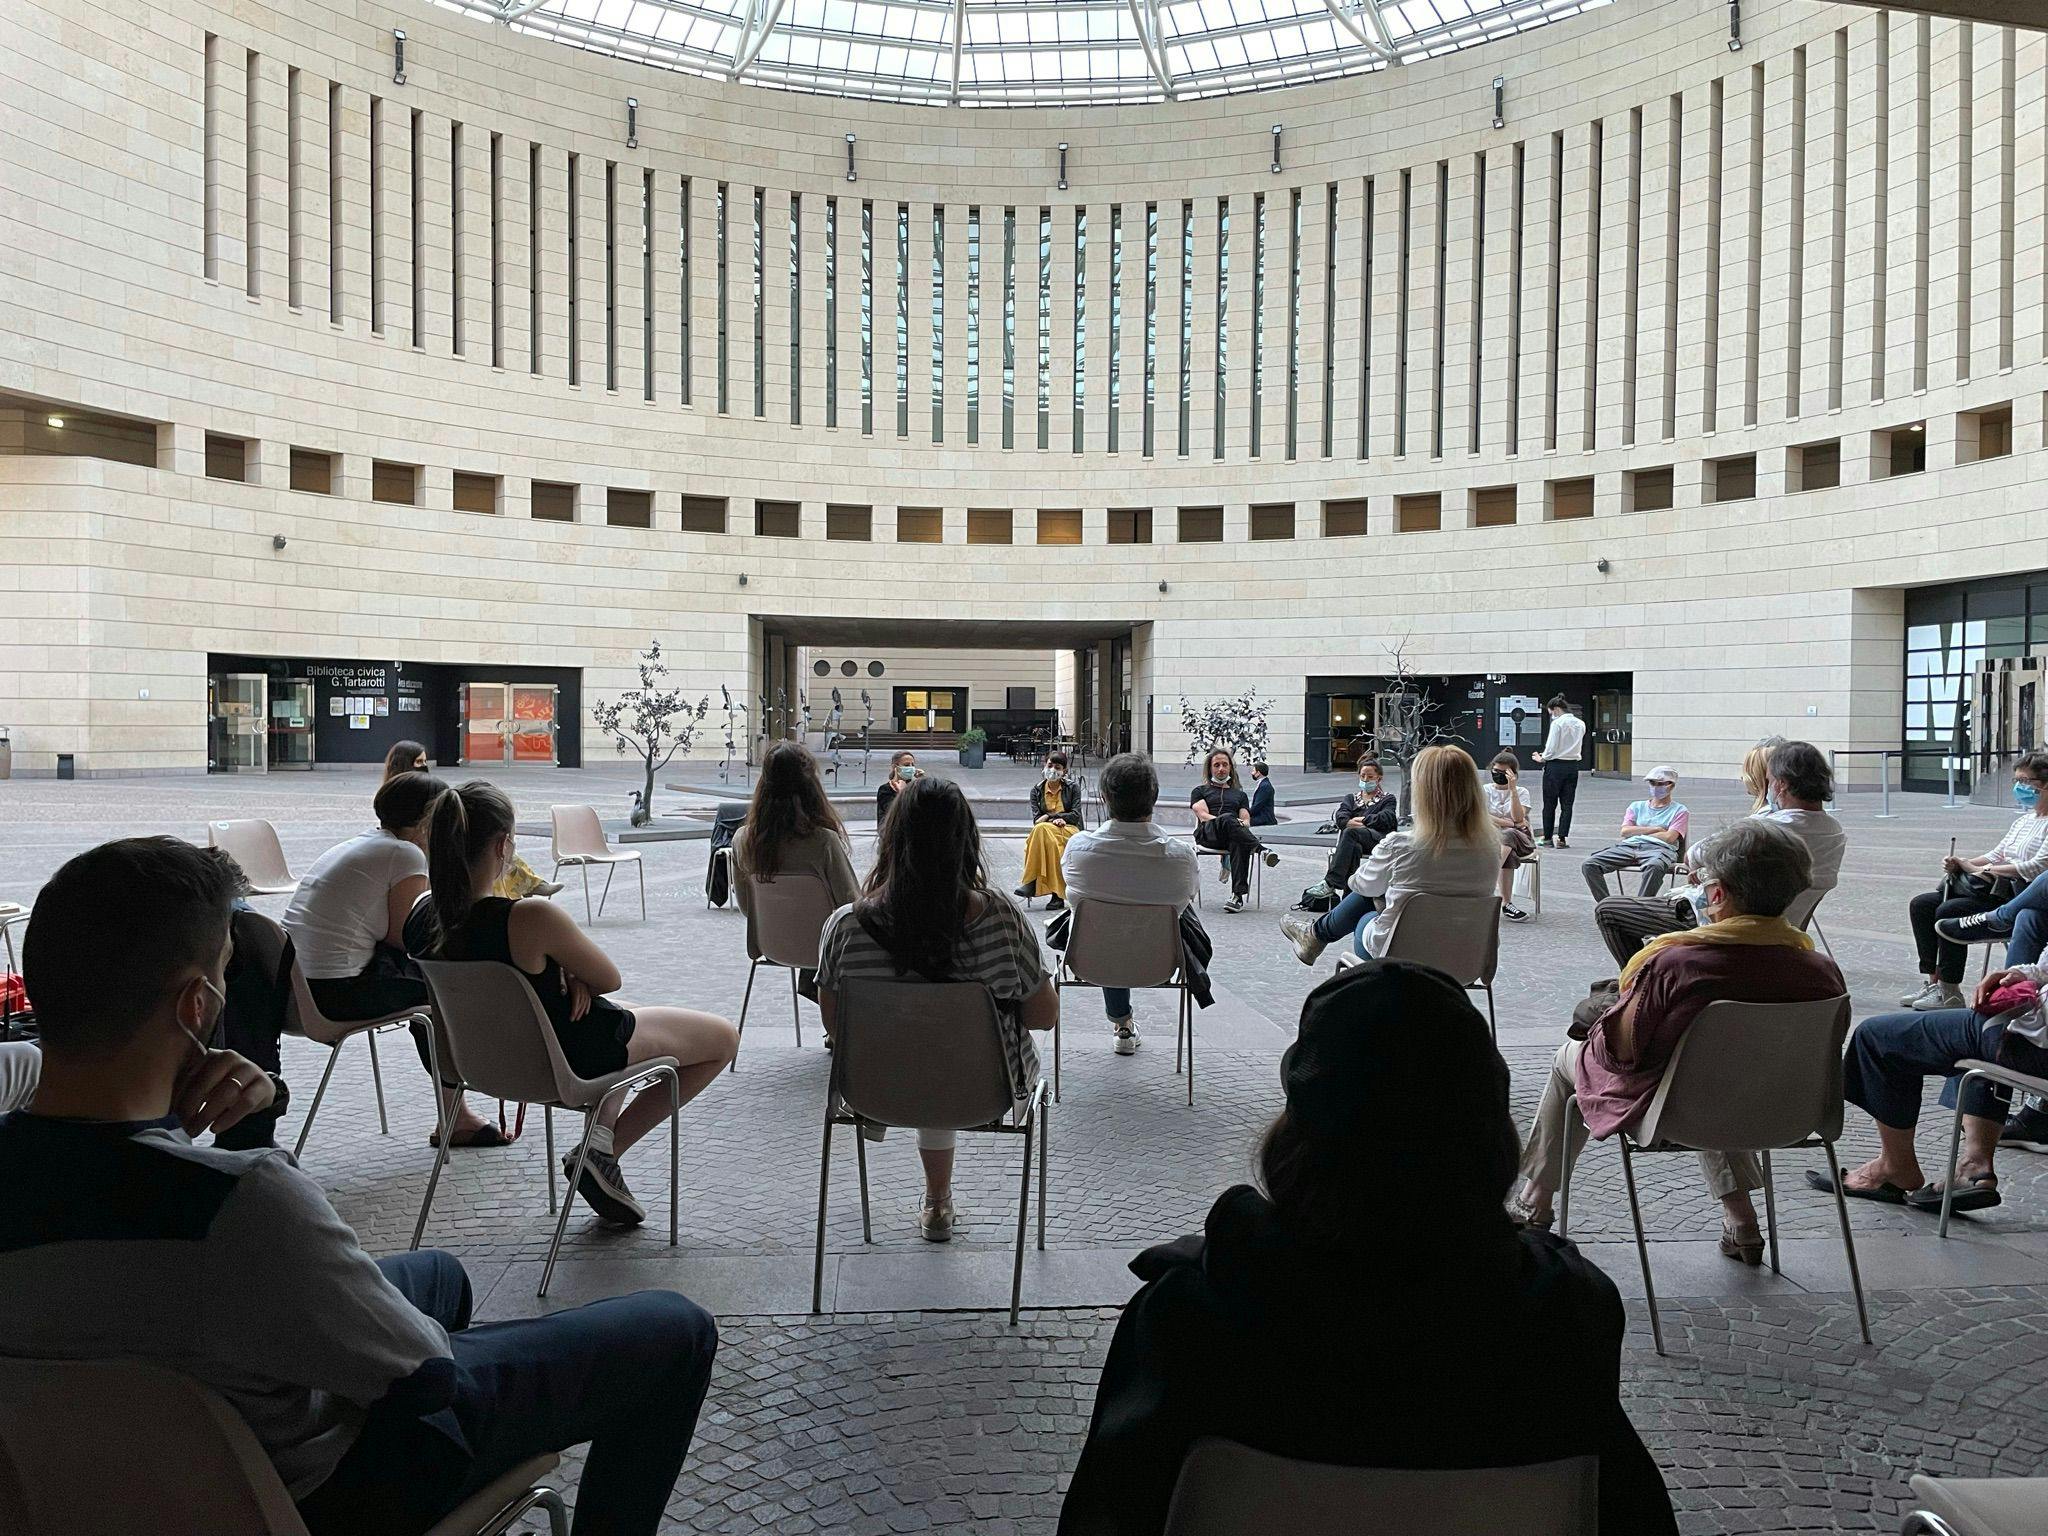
{"x":929,"y":912}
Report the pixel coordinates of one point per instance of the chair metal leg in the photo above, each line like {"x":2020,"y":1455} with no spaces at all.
{"x":547,"y":1119}
{"x":306,"y":1126}
{"x":1187,"y":1009}
{"x":588,"y":915}
{"x":1044,"y":1143}
{"x":675,"y":1151}
{"x":1055,"y":1058}
{"x":444,"y":1124}
{"x":1813,"y":926}
{"x":568,"y":1198}
{"x":1849,"y":1241}
{"x":641,"y":866}
{"x":824,"y":1189}
{"x":1955,"y":1147}
{"x":609,"y":871}
{"x":860,"y":1156}
{"x":795,"y":1013}
{"x":1635,"y":1213}
{"x":1771,"y":1212}
{"x":377,"y":1077}
{"x":1023,"y":1213}
{"x":558,"y":1514}
{"x":741,"y":1032}
{"x":1492,"y":1023}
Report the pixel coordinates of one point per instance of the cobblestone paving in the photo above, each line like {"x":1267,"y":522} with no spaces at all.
{"x":1768,"y":1416}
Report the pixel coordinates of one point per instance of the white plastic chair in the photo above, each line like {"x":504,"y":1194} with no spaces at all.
{"x":1458,"y":935}
{"x":1978,"y":1506}
{"x":1227,"y":1489}
{"x":929,"y":1056}
{"x":579,"y":841}
{"x":1803,"y":915}
{"x":1758,"y":1077}
{"x":1113,"y":945}
{"x":254,"y":846}
{"x":789,"y":918}
{"x":113,"y":1447}
{"x":503,"y":1045}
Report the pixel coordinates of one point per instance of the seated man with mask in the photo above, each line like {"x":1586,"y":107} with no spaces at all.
{"x":378,"y":1404}
{"x":1363,"y":817}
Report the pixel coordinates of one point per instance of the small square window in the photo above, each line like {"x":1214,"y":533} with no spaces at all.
{"x":920,"y":525}
{"x":312,"y":471}
{"x":1059,"y":525}
{"x":628,"y":509}
{"x":1571,"y":499}
{"x":1650,"y":490}
{"x":1905,"y":449}
{"x":1493,"y":506}
{"x":1986,"y":434}
{"x":1732,"y":479}
{"x":1130,"y":525}
{"x":476,"y":493}
{"x":1201,"y":525}
{"x":554,"y":502}
{"x":1344,"y":519}
{"x":778,"y":519}
{"x":1422,"y":512}
{"x":703,"y":514}
{"x":1818,"y":465}
{"x":398,"y":484}
{"x":990,"y":525}
{"x":1273,"y":520}
{"x":853,"y":525}
{"x":227,"y":458}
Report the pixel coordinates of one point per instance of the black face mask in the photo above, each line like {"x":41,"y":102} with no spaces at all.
{"x":1500,"y":777}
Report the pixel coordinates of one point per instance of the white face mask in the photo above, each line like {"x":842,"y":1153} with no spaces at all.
{"x":1219,"y":778}
{"x":203,"y":1048}
{"x":1053,"y":775}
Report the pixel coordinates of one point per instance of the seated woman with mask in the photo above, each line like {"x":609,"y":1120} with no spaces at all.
{"x":1055,"y":817}
{"x":903,"y":772}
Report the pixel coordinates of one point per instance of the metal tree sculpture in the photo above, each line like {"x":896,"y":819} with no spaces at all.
{"x":1238,"y":725}
{"x":1401,"y":716}
{"x":655,"y":723}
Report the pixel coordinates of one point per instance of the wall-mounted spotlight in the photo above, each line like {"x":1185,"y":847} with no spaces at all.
{"x":1602,"y":566}
{"x":1276,"y":150}
{"x":1500,"y":101}
{"x":632,"y":122}
{"x":55,"y":421}
{"x":1162,"y":586}
{"x":398,"y":55}
{"x":278,"y":541}
{"x":1063,"y":167}
{"x":1735,"y":26}
{"x":850,"y":174}
{"x":743,"y":578}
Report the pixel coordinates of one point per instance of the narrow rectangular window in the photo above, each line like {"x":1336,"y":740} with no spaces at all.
{"x":1514,"y":390}
{"x":575,"y":278}
{"x":1009,"y":327}
{"x":760,"y":298}
{"x":1044,"y":327}
{"x":1402,"y":291}
{"x":973,"y":326}
{"x":376,"y":216}
{"x":1222,"y":316}
{"x":533,"y":271}
{"x":1554,"y":319}
{"x":938,"y":325}
{"x":1476,"y":357}
{"x":1590,"y":330}
{"x":1185,"y":394}
{"x":1080,"y":322}
{"x":1293,"y":321}
{"x":1330,"y":321}
{"x":252,"y":207}
{"x":294,"y":202}
{"x":796,"y":309}
{"x":209,"y":233}
{"x":1258,"y":318}
{"x":457,"y":342}
{"x":497,"y":251}
{"x":867,"y":317}
{"x":649,"y":305}
{"x":1151,"y":324}
{"x":903,"y":319}
{"x":1631,"y":291}
{"x":1116,"y":320}
{"x":684,"y":299}
{"x":1366,"y":252}
{"x":718,"y":222}
{"x":1443,"y":262}
{"x":418,"y":162}
{"x":831,"y":311}
{"x":337,"y":216}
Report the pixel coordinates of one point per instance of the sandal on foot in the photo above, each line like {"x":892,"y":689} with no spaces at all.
{"x":1747,"y":1246}
{"x":485,"y":1135}
{"x":1524,"y":1216}
{"x":1885,"y":1194}
{"x":1975,"y":1192}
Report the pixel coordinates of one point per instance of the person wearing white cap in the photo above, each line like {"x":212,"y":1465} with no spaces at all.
{"x":1652,"y":838}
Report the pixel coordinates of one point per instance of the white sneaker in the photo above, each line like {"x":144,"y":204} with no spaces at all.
{"x":1126,"y":1036}
{"x":935,"y":1222}
{"x":1235,"y":904}
{"x":1300,"y":928}
{"x":1940,"y":995}
{"x":1913,"y":997}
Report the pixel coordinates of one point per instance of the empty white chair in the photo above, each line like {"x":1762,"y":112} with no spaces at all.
{"x":789,"y":918}
{"x":1458,"y":935}
{"x":1227,"y":1489}
{"x":254,"y":846}
{"x":112,"y":1447}
{"x":1978,"y":1506}
{"x":1113,"y":945}
{"x":503,"y":1045}
{"x":579,"y":841}
{"x":927,"y":1056}
{"x":1751,"y":1077}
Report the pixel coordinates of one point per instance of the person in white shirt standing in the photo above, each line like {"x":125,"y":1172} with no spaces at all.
{"x":1128,"y":861}
{"x":1560,"y":760}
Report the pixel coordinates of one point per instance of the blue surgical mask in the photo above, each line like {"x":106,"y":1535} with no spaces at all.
{"x":2025,"y":795}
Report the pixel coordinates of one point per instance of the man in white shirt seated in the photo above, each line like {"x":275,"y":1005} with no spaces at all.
{"x":1799,"y":784}
{"x":1128,"y":861}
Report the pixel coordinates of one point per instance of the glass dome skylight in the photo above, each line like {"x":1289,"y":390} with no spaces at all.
{"x":1018,"y":52}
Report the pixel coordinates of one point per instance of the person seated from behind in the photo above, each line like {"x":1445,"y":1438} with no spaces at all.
{"x":1507,"y":807}
{"x":1270,"y":1327}
{"x":1263,"y":812}
{"x":1364,"y":816}
{"x":1055,"y":817}
{"x":1223,"y":824}
{"x":1452,"y":850}
{"x":378,"y":1404}
{"x":791,"y":829}
{"x":1890,"y":1056}
{"x":520,"y":878}
{"x":1796,"y":784}
{"x":928,"y":913}
{"x":1652,"y":838}
{"x":469,"y":842}
{"x":1982,"y":887}
{"x":21,"y":1068}
{"x":1129,"y":862}
{"x":903,"y":772}
{"x":1744,"y":951}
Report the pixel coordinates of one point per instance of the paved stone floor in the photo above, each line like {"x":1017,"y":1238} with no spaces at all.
{"x":912,"y":1404}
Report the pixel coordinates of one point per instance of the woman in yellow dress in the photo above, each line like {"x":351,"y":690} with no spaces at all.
{"x":1055,"y":817}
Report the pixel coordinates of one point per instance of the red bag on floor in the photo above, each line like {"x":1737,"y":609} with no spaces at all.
{"x":13,"y":995}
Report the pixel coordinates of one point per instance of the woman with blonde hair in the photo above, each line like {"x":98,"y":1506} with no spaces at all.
{"x":1756,"y":774}
{"x":1452,"y":850}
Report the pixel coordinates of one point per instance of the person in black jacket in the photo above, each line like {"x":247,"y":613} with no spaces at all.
{"x":903,"y":772}
{"x":1363,"y":817}
{"x":1324,"y":1319}
{"x":1263,"y":812}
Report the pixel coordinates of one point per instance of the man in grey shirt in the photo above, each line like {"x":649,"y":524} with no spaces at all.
{"x":119,"y":1238}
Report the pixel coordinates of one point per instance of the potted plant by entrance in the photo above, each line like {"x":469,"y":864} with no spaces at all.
{"x":973,"y":747}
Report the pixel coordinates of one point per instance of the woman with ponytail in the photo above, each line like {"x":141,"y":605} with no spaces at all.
{"x":469,"y":845}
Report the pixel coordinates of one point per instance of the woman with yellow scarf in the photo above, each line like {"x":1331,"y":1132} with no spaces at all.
{"x":1055,"y":817}
{"x":1743,"y":951}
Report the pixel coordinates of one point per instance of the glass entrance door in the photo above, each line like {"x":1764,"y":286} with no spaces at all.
{"x":239,"y":730}
{"x":485,"y":709}
{"x":533,"y":723}
{"x":291,"y":723}
{"x":1613,"y":732}
{"x":941,"y":711}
